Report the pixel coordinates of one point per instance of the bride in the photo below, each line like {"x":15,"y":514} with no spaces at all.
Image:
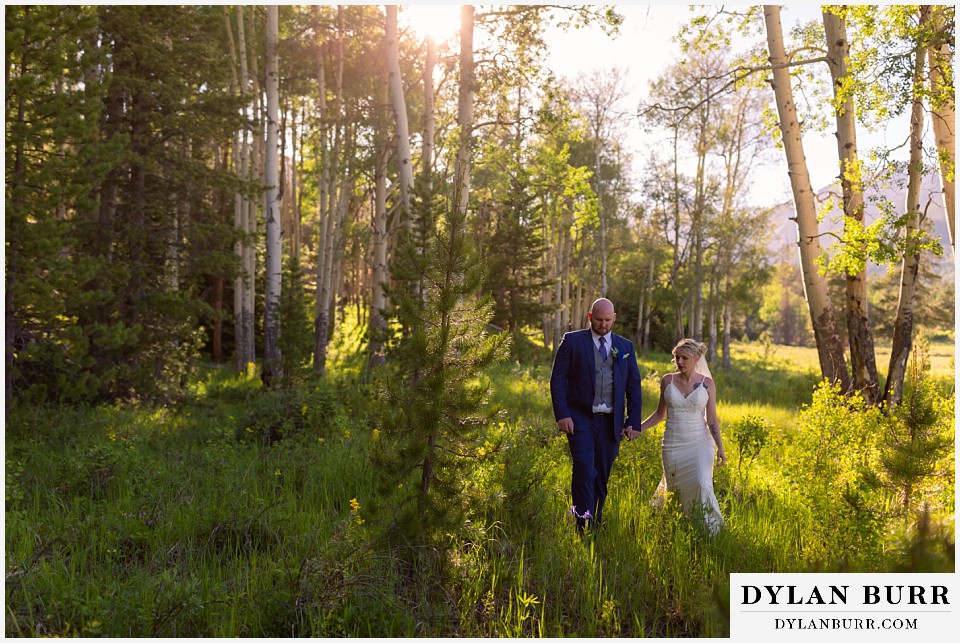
{"x":688,"y":400}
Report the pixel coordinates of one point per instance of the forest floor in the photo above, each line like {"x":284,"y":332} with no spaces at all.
{"x":236,"y":513}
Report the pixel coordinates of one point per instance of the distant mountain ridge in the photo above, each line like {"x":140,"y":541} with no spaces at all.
{"x":785,"y":228}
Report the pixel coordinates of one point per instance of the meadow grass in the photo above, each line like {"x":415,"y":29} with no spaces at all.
{"x":198,"y":519}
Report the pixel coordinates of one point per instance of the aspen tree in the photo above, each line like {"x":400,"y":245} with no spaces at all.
{"x":863,"y":363}
{"x":272,"y":209}
{"x":829,"y":344}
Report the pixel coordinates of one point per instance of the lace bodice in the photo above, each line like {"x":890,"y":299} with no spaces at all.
{"x":686,"y":415}
{"x":696,"y":401}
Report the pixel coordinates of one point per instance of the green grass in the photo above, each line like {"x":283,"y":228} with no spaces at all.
{"x":188,"y":521}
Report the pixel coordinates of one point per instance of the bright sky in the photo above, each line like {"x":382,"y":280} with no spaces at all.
{"x":644,"y":48}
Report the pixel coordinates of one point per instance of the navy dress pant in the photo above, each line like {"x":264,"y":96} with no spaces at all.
{"x":593,"y":447}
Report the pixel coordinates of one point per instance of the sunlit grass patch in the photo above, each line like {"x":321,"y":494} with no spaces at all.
{"x":170,"y":521}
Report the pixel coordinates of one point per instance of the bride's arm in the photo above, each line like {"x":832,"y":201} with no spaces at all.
{"x":713,"y":422}
{"x":654,"y":418}
{"x":657,"y":416}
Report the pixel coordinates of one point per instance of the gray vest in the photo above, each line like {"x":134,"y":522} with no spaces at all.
{"x":603,"y":382}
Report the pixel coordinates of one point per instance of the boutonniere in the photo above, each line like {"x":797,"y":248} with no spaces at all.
{"x":618,"y":355}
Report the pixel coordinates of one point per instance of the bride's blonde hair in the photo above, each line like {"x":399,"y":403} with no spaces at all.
{"x":691,"y":346}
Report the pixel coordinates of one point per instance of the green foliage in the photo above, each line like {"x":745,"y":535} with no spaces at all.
{"x":515,"y":272}
{"x":115,"y":110}
{"x":934,"y":310}
{"x":750,"y":434}
{"x":130,"y":522}
{"x":433,"y":392}
{"x":918,"y":441}
{"x":857,"y":465}
{"x":836,"y":468}
{"x":296,"y":325}
{"x":784,"y":309}
{"x":271,"y":416}
{"x":884,"y":241}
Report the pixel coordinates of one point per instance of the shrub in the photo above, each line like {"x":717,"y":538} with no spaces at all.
{"x":834,"y":466}
{"x":272,"y":416}
{"x":750,"y":435}
{"x":859,"y":468}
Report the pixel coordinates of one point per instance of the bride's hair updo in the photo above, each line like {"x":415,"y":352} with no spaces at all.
{"x":690,"y":346}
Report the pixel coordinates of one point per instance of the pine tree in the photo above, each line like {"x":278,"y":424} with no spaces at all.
{"x":296,"y":326}
{"x":114,"y":115}
{"x":919,"y":435}
{"x":54,"y":161}
{"x":513,"y":255}
{"x":433,"y":392}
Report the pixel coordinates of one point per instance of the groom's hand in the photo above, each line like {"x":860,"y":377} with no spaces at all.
{"x":629,"y":433}
{"x":565,"y":425}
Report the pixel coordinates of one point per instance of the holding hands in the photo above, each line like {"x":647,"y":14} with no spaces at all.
{"x":629,"y":433}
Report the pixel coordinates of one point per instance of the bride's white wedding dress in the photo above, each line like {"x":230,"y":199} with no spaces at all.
{"x":688,"y":455}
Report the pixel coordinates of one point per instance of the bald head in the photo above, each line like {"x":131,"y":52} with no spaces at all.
{"x":603,"y":305}
{"x":601,"y":316}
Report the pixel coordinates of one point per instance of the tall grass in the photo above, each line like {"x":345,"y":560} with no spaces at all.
{"x":196,"y":520}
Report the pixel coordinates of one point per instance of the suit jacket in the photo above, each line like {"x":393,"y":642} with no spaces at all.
{"x":573,"y":379}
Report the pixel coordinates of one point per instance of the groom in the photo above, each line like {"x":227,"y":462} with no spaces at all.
{"x":595,"y":386}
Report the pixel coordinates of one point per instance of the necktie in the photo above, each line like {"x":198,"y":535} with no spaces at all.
{"x":603,"y":349}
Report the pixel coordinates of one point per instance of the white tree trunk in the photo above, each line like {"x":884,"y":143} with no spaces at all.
{"x":903,"y":326}
{"x":647,"y":312}
{"x":241,"y":310}
{"x":863,"y":361}
{"x":323,"y":215}
{"x":465,"y":110}
{"x":600,"y":212}
{"x":378,"y":300}
{"x":331,"y":168}
{"x":429,"y":115}
{"x":561,"y":285}
{"x":343,"y":207}
{"x":566,"y":270}
{"x":726,"y":330}
{"x":829,"y":345}
{"x":698,"y":215}
{"x":295,"y":191}
{"x":272,"y":209}
{"x":641,"y":306}
{"x":712,"y":322}
{"x":399,"y":114}
{"x":254,"y":173}
{"x":944,"y":120}
{"x":378,"y":225}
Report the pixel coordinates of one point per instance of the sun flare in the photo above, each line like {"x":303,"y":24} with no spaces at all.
{"x":440,"y":21}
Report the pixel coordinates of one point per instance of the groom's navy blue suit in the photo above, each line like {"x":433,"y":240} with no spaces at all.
{"x":595,"y":441}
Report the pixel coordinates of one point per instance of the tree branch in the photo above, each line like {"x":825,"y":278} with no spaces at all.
{"x":739,"y":74}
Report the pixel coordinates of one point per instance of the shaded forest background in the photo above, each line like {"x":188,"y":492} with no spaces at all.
{"x":138,"y":215}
